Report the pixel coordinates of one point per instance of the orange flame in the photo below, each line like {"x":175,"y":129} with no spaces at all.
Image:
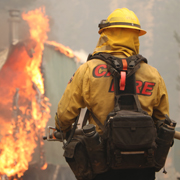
{"x":39,"y":27}
{"x":63,"y":49}
{"x":44,"y":166}
{"x":24,"y":111}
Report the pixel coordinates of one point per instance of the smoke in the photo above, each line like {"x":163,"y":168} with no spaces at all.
{"x":149,"y":27}
{"x":82,"y":54}
{"x":114,"y":4}
{"x":144,"y":12}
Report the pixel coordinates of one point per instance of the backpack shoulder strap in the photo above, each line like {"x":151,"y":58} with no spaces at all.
{"x":121,"y":68}
{"x":115,"y":64}
{"x":86,"y":116}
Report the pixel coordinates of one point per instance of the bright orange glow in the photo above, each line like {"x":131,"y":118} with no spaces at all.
{"x":39,"y":26}
{"x":63,"y":49}
{"x":44,"y":166}
{"x":24,"y":111}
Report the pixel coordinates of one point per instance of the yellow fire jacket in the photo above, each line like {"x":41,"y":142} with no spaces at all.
{"x":92,"y":87}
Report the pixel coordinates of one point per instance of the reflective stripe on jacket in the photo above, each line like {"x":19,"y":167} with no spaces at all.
{"x":92,"y":87}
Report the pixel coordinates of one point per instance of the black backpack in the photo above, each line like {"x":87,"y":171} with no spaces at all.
{"x":129,"y":132}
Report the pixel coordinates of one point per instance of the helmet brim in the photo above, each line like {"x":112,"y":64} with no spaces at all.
{"x":141,"y":31}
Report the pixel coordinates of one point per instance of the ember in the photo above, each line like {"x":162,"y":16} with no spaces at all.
{"x":24,"y":110}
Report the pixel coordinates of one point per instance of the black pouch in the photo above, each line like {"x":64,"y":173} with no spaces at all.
{"x":76,"y":156}
{"x":131,"y":159}
{"x":131,"y":140}
{"x":98,"y":158}
{"x":132,"y":131}
{"x":161,"y":153}
{"x":164,"y":142}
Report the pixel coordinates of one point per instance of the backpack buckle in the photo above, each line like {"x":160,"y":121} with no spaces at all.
{"x":132,"y":64}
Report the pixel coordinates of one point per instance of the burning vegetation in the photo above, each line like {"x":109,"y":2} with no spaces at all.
{"x":24,"y":110}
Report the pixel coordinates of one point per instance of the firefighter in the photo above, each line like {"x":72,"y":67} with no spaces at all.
{"x":92,"y":87}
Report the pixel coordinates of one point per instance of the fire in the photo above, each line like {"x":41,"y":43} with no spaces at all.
{"x":44,"y":166}
{"x":24,"y":110}
{"x":63,"y":49}
{"x":39,"y":26}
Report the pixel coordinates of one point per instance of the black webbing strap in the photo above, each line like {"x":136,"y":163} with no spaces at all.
{"x":71,"y":132}
{"x":114,"y":64}
{"x":138,"y":105}
{"x":138,"y":58}
{"x":136,"y":67}
{"x":98,"y":122}
{"x":86,"y":116}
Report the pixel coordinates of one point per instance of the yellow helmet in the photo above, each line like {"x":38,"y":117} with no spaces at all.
{"x":121,"y":18}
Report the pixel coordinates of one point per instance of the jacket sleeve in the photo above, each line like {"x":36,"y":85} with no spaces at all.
{"x":73,"y":99}
{"x":162,"y":103}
